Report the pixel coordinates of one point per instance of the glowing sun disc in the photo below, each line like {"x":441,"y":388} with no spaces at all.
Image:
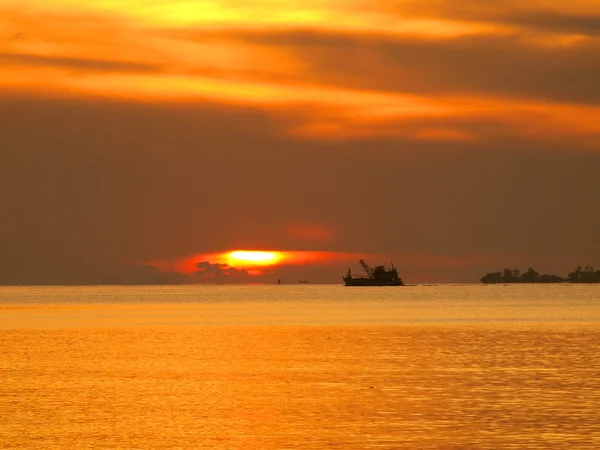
{"x":252,"y":257}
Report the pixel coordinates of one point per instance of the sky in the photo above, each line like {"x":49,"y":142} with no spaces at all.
{"x":142,"y":142}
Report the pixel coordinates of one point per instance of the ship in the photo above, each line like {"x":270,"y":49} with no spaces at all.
{"x":378,"y":276}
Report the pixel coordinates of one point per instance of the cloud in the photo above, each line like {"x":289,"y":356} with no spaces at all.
{"x":503,"y":65}
{"x":326,"y":83}
{"x":580,"y":24}
{"x":79,"y":64}
{"x":221,"y":273}
{"x":552,"y":16}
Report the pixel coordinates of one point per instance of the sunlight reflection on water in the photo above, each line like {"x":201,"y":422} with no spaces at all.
{"x":300,"y":367}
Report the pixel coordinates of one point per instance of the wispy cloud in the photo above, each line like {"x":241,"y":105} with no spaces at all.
{"x":75,"y":64}
{"x":341,"y":70}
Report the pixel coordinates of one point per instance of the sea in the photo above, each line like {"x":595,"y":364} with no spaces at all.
{"x":300,"y":367}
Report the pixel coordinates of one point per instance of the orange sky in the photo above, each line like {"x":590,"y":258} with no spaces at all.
{"x":277,"y":55}
{"x":350,"y":77}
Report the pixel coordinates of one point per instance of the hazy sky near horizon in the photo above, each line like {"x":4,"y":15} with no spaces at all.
{"x":454,"y":137}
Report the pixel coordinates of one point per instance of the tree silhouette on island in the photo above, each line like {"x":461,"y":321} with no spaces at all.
{"x":586,"y":275}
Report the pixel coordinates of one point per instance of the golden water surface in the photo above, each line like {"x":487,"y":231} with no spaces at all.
{"x":300,"y":367}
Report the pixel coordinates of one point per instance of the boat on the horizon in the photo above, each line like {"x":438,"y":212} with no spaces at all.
{"x":378,"y":276}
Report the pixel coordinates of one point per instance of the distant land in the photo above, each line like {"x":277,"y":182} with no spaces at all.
{"x":579,"y":275}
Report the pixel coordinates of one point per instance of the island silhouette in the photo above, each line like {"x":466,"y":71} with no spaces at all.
{"x":579,"y":275}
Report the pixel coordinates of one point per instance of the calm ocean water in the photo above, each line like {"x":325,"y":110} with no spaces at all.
{"x":300,"y":367}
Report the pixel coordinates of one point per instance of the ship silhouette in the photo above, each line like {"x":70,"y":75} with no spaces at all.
{"x":378,"y":276}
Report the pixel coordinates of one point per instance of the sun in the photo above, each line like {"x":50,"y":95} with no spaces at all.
{"x":252,"y":258}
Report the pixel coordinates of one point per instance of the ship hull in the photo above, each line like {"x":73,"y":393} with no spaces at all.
{"x":371,"y":282}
